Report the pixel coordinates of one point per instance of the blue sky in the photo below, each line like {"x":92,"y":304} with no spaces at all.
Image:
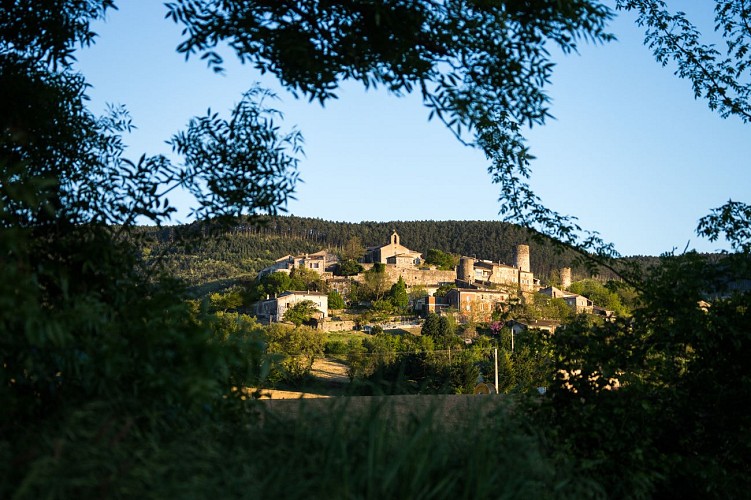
{"x":630,"y":152}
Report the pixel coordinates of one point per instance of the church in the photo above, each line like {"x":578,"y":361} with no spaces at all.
{"x":393,"y":253}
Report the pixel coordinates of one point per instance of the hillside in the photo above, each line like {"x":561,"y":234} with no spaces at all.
{"x":242,"y":249}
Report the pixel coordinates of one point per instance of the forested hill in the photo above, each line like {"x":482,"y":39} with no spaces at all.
{"x":245,"y":248}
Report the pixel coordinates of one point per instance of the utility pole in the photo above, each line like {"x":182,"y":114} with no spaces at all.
{"x":495,"y":355}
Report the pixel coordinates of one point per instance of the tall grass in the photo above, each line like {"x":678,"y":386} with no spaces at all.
{"x":321,"y":450}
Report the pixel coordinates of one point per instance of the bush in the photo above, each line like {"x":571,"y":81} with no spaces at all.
{"x":335,"y":348}
{"x":296,"y":349}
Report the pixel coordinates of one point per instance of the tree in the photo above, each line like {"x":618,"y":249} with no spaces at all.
{"x":93,"y":337}
{"x":98,"y":347}
{"x":430,"y":326}
{"x":599,"y":294}
{"x":271,"y":285}
{"x":417,"y":292}
{"x":439,"y":326}
{"x":352,"y":250}
{"x":302,"y":313}
{"x":298,"y":348}
{"x":546,"y":307}
{"x":398,"y":295}
{"x":446,"y":326}
{"x":231,"y":299}
{"x":442,"y":260}
{"x":444,"y":289}
{"x":375,"y":285}
{"x":335,"y":300}
{"x":306,"y":279}
{"x":349,"y":268}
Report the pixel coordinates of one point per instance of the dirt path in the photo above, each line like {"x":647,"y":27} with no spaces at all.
{"x":330,"y":370}
{"x":327,"y":369}
{"x":453,"y":409}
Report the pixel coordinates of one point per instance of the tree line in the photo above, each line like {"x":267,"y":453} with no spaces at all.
{"x":244,"y":247}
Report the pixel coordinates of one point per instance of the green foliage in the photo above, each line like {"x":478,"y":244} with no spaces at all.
{"x":446,"y":326}
{"x":375,"y":284}
{"x":112,"y":384}
{"x":335,"y":300}
{"x":382,"y":307}
{"x":417,"y":292}
{"x":242,"y":340}
{"x":271,"y":285}
{"x":442,"y":260}
{"x":600,"y":295}
{"x":732,"y":219}
{"x":278,"y":282}
{"x":444,"y":289}
{"x":681,"y":375}
{"x":376,"y":330}
{"x":430,"y":326}
{"x":352,"y":251}
{"x":546,"y":307}
{"x":348,"y":268}
{"x":306,"y":279}
{"x":398,"y":295}
{"x":244,"y":249}
{"x":298,"y":347}
{"x":446,"y":335}
{"x":237,"y":186}
{"x":229,"y":300}
{"x":335,"y":348}
{"x":301,"y":313}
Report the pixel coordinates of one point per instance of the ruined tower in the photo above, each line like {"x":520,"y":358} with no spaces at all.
{"x":521,"y":258}
{"x":465,"y":271}
{"x":565,"y":278}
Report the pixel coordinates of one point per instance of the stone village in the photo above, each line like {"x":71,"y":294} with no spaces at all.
{"x":480,"y":286}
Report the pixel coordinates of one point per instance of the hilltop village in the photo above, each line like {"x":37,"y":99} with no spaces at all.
{"x":472,"y":291}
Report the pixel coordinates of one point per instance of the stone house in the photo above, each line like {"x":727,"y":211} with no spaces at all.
{"x":476,"y":304}
{"x":430,"y":304}
{"x":518,"y":326}
{"x":320,"y":262}
{"x":273,"y":310}
{"x":579,"y":303}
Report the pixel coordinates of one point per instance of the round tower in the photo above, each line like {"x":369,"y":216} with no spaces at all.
{"x":565,"y":277}
{"x":465,"y":271}
{"x":522,"y":258}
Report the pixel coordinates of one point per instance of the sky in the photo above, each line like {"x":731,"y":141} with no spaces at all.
{"x":630,"y":152}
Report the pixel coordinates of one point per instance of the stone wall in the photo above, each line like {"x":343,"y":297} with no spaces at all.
{"x":337,"y":326}
{"x":412,"y":276}
{"x":419,"y":277}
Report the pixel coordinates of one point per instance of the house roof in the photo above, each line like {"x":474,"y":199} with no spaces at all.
{"x":300,"y":292}
{"x":478,"y":290}
{"x":487,"y":264}
{"x":539,"y":323}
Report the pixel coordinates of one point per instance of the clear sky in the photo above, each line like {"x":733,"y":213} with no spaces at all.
{"x":630,"y":152}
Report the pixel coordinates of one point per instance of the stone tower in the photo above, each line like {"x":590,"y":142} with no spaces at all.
{"x":465,"y":271}
{"x":522,"y":258}
{"x":565,"y":277}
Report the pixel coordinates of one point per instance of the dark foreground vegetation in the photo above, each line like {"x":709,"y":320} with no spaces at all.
{"x":113,"y":384}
